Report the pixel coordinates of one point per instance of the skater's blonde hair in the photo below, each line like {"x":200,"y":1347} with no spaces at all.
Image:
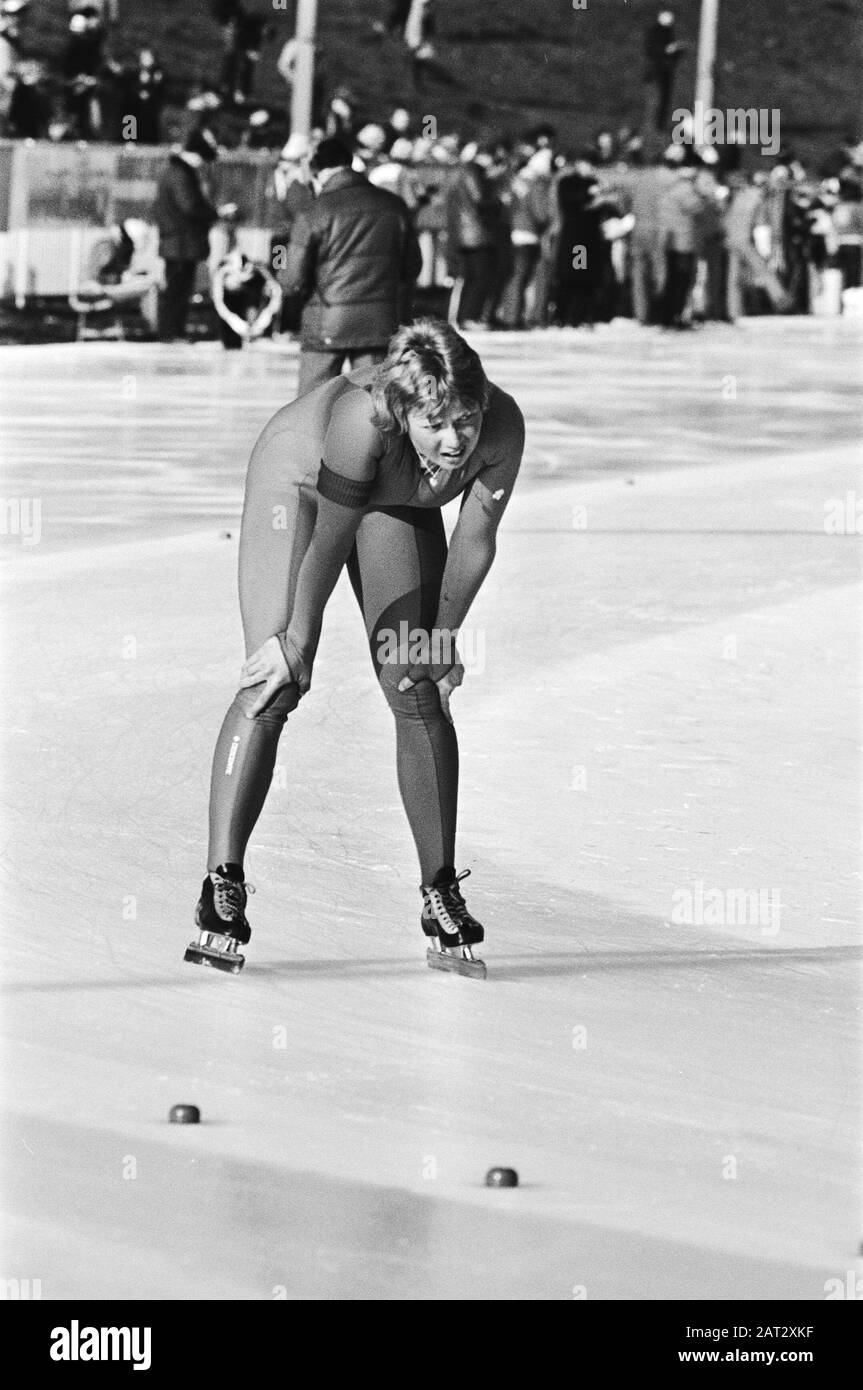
{"x":428,"y":368}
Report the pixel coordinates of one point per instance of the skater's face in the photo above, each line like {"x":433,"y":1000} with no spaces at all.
{"x":445,"y":442}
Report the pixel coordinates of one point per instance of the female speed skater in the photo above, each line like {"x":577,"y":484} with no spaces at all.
{"x":355,"y":472}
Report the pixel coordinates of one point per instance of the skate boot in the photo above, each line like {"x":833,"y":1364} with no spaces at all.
{"x":221,"y":920}
{"x":445,"y":918}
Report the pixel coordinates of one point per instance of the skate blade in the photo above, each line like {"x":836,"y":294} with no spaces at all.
{"x":229,"y":961}
{"x":457,"y":964}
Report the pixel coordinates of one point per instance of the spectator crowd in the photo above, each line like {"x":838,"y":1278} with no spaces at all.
{"x":522,"y":231}
{"x":530,"y":235}
{"x":87,"y":93}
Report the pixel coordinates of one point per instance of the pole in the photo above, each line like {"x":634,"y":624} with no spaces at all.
{"x":706,"y":53}
{"x":304,"y":73}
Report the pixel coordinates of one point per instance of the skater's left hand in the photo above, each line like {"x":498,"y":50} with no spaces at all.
{"x":446,"y":683}
{"x":267,"y":665}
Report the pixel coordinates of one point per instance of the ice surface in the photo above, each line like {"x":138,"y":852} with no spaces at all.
{"x":669,"y":697}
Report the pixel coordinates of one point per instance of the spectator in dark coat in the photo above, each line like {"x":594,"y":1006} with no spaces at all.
{"x":711,"y":243}
{"x":147,"y":81}
{"x":184,"y":215}
{"x":848,"y":225}
{"x":583,"y":258}
{"x":243,"y":33}
{"x":85,"y":69}
{"x":353,"y":257}
{"x":473,"y":222}
{"x":30,"y":104}
{"x":662,"y":53}
{"x":13,"y":17}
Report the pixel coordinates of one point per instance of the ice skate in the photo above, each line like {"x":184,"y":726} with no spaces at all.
{"x":445,"y":918}
{"x":221,"y":920}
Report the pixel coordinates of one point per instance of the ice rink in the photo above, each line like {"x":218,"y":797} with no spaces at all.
{"x":660,"y":809}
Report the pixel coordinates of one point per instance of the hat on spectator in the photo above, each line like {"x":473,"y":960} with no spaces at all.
{"x":204,"y":101}
{"x":331,"y":154}
{"x":402,"y":151}
{"x":540,"y":161}
{"x":372,"y":138}
{"x":296,"y":149}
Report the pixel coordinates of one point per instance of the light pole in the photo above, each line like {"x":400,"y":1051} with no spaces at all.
{"x":706,"y":53}
{"x":304,"y":73}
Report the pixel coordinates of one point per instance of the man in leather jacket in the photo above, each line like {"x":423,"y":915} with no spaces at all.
{"x":352,"y":258}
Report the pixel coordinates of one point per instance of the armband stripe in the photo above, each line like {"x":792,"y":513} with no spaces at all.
{"x":348,"y":492}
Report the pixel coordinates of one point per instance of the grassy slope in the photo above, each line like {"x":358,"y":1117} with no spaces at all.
{"x":513,"y":62}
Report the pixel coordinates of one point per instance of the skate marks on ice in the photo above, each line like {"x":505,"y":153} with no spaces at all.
{"x":147,"y":439}
{"x":600,"y":934}
{"x":503,"y":966}
{"x":139,"y":440}
{"x":197,"y":1224}
{"x":624,"y":400}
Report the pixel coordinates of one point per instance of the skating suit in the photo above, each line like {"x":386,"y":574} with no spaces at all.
{"x":324,"y":444}
{"x":321,"y":460}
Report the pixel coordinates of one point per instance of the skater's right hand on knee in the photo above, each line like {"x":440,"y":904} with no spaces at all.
{"x":446,"y":685}
{"x":269,"y":665}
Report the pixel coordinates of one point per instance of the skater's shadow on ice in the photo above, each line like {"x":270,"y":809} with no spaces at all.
{"x":284,"y":969}
{"x":588,"y":962}
{"x":582,"y":962}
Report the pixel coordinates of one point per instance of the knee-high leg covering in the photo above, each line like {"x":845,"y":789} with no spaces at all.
{"x":242,"y":771}
{"x":396,"y":569}
{"x":277,"y":525}
{"x":427,"y":770}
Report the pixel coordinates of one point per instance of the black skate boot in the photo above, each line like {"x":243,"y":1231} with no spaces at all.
{"x":446,"y":918}
{"x":221,"y":920}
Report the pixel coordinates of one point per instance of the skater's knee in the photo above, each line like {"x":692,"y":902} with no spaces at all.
{"x":283,"y":703}
{"x":418,"y":702}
